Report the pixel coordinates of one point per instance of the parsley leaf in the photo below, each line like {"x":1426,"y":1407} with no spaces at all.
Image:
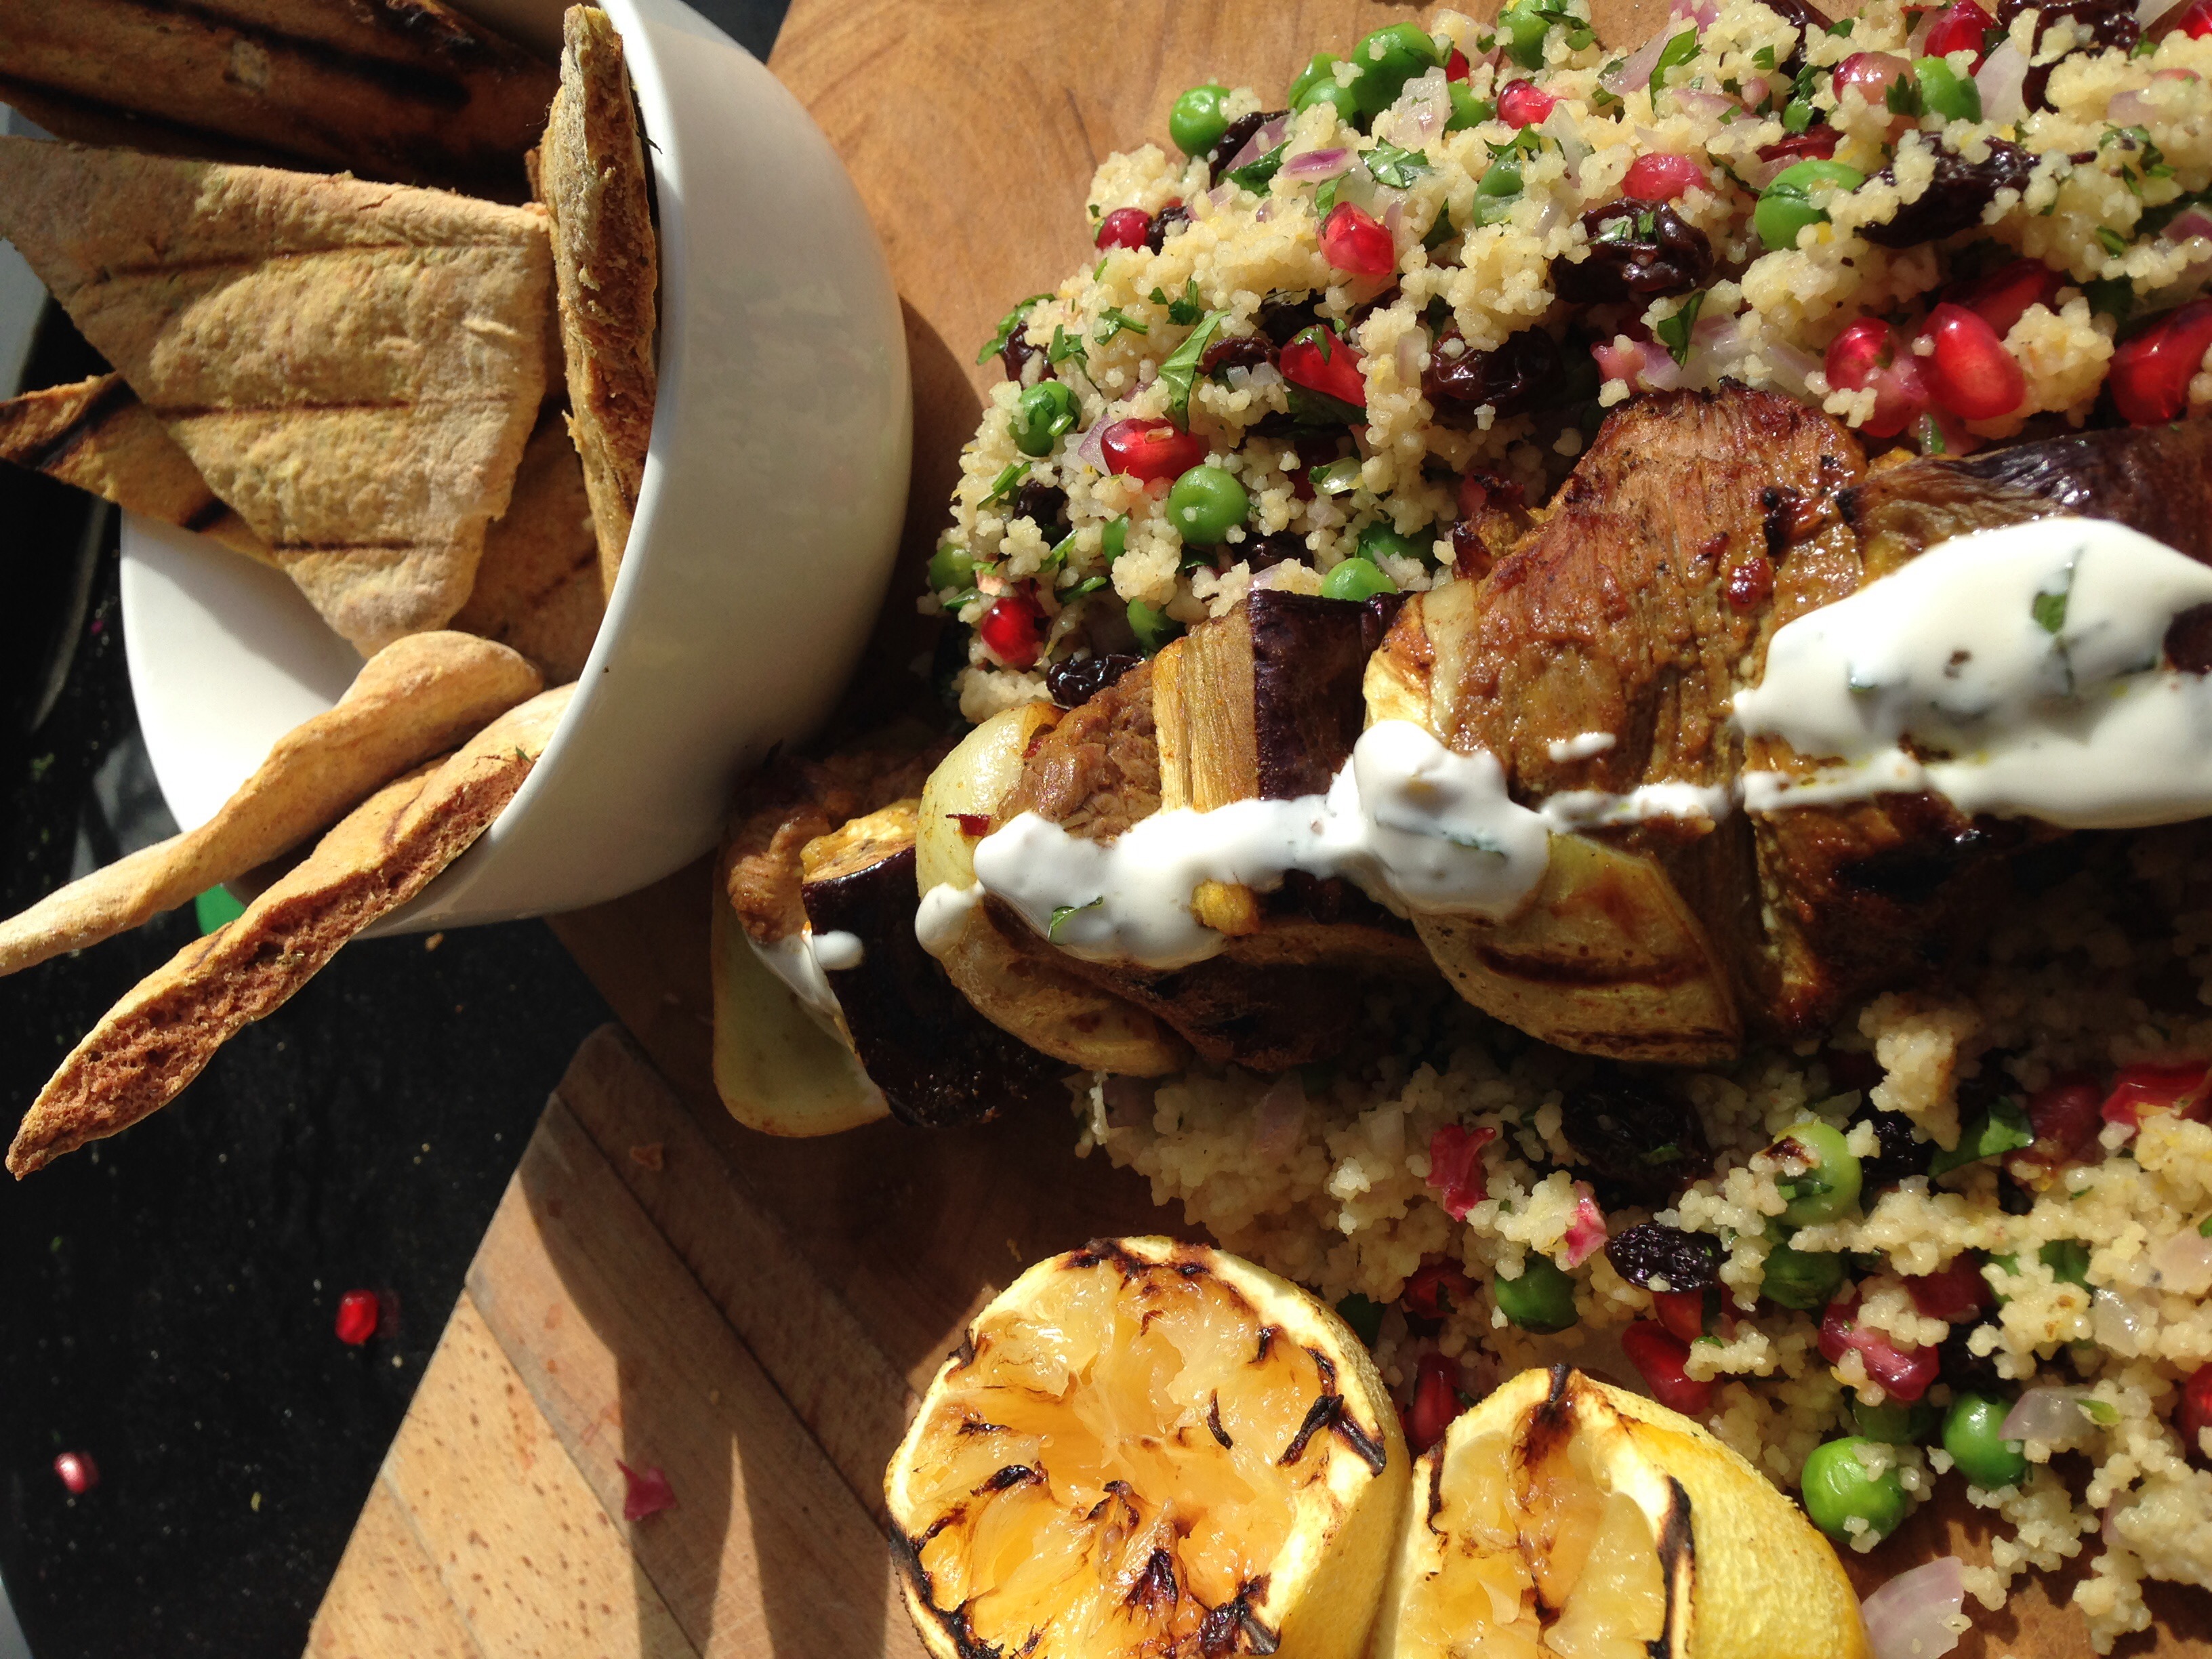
{"x":1763,"y":59}
{"x":1395,"y":167}
{"x":2111,"y":241}
{"x":1255,"y":176}
{"x":1061,"y":913}
{"x":1113,"y":320}
{"x":2003,"y":1128}
{"x":1675,"y":53}
{"x":1187,"y":310}
{"x":1066,"y":345}
{"x":1674,"y":331}
{"x":1008,"y":323}
{"x":1180,"y":369}
{"x":2050,"y":611}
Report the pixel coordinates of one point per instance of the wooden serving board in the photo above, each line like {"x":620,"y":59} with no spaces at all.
{"x":755,"y":1316}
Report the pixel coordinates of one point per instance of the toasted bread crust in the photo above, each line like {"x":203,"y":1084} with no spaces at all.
{"x":591,"y":178}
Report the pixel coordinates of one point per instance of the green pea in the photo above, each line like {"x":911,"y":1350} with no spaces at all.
{"x":1153,"y":628}
{"x":1344,"y":100}
{"x":1043,"y":414}
{"x":1543,"y":1298}
{"x":1945,"y":92}
{"x":1206,"y":504}
{"x":1496,"y":192}
{"x":1785,"y":206}
{"x":1379,"y":539}
{"x":1893,"y":1423}
{"x":1322,"y":68}
{"x":951,"y":566}
{"x":1115,"y":540}
{"x":1830,"y":1188}
{"x":1389,"y":59}
{"x":1803,"y":1279}
{"x":1522,"y":29}
{"x":1971,"y":1435}
{"x":1838,"y":1489}
{"x":1468,"y":110}
{"x":1197,"y":122}
{"x":1359,"y":579}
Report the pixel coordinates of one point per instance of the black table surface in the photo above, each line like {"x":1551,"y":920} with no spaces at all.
{"x":168,"y":1297}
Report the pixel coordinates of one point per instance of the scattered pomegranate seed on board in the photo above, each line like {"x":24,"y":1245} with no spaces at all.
{"x":356,"y":1321}
{"x":79,"y":1474}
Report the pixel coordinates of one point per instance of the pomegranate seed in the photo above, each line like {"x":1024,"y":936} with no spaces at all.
{"x":1320,"y":362}
{"x":1970,"y":373}
{"x":1456,"y":67}
{"x":1434,"y":1289}
{"x":1435,"y":1401}
{"x":79,"y":1474}
{"x":1682,"y":1312}
{"x":1751,"y":583}
{"x":1951,"y":1293}
{"x":1903,"y":1372}
{"x":2195,"y":1415}
{"x":356,"y":1321}
{"x":2195,"y":21}
{"x":2140,"y":1089}
{"x":2151,"y":373}
{"x":1012,"y":630}
{"x":1455,"y":1167}
{"x":1352,"y":239}
{"x":1661,"y":176}
{"x":645,"y":1491}
{"x":1662,"y":1358}
{"x":974,"y":825}
{"x":2064,"y":1115}
{"x":1960,"y":27}
{"x":2002,"y":298}
{"x":1873,"y":73}
{"x":1866,"y":354}
{"x":1815,"y":143}
{"x":1125,"y":227}
{"x":1524,"y":104}
{"x":1150,"y":450}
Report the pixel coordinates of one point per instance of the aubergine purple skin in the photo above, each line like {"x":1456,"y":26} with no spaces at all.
{"x":1308,"y":657}
{"x":939,"y":1063}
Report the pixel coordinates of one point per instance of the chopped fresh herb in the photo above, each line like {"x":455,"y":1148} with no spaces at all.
{"x":1057,"y":558}
{"x":1115,"y":539}
{"x":2050,"y":610}
{"x":1797,"y":115}
{"x":1395,"y":167}
{"x":1153,"y":627}
{"x":1440,"y":233}
{"x":1061,"y":913}
{"x":1255,"y":176}
{"x":1065,"y":346}
{"x":1181,"y":368}
{"x":1676,"y":52}
{"x":2067,"y":1260}
{"x":1674,"y":331}
{"x":1338,"y":477}
{"x":1763,"y":59}
{"x":2204,"y":1228}
{"x":1113,"y":320}
{"x":2145,"y":47}
{"x":1007,"y":324}
{"x":1363,"y":1314}
{"x":2003,"y":1128}
{"x":1903,"y":96}
{"x":1325,"y":198}
{"x":1311,"y":408}
{"x":1088,"y":584}
{"x":1842,"y":30}
{"x":2102,"y":1413}
{"x":1189,"y":309}
{"x":1003,"y":486}
{"x":2111,"y":296}
{"x":2111,"y":241}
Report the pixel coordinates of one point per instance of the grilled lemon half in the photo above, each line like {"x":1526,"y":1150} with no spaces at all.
{"x":1565,"y":1516}
{"x":1150,"y":1448}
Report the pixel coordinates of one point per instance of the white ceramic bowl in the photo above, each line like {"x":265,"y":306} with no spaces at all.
{"x":766,"y":527}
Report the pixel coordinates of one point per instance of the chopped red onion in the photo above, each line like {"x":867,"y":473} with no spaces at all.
{"x":1091,"y":451}
{"x":1280,"y":1119}
{"x":2149,"y":11}
{"x":1787,"y":365}
{"x":2130,"y":108}
{"x":1636,"y":70}
{"x":1711,"y":106}
{"x":1318,"y":164}
{"x":2192,"y":221}
{"x":2053,"y":1416}
{"x":2116,"y":1323}
{"x":1705,"y":12}
{"x":1407,"y":354}
{"x":1257,"y":145}
{"x":1585,"y":1234}
{"x":2184,"y":1263}
{"x":1390,"y":206}
{"x":1275,"y":575}
{"x":1420,"y":113}
{"x":1999,"y":81}
{"x":1256,"y":380}
{"x":1910,"y":1617}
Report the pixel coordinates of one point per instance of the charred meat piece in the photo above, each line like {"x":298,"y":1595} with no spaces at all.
{"x":938,"y":1062}
{"x":1098,"y":771}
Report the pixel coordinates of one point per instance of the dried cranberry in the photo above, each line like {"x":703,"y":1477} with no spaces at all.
{"x":1899,"y":1155}
{"x":2065,"y":1114}
{"x":1636,"y":1140}
{"x":1353,"y":240}
{"x":1148,"y":450}
{"x":2151,"y":372}
{"x":1970,"y":373}
{"x":356,"y":1321}
{"x":1125,"y":227}
{"x":2098,"y":26}
{"x":1238,"y":351}
{"x":1511,"y":380}
{"x":1638,"y":251}
{"x":2194,"y":1414}
{"x":1258,"y":553}
{"x":1013,"y":629}
{"x":1751,"y":583}
{"x":1814,"y":143}
{"x":1284,"y":320}
{"x":1958,"y":1365}
{"x":1652,"y":1249}
{"x":1014,"y":356}
{"x":1960,"y":27}
{"x":1524,"y":104}
{"x":1044,"y":505}
{"x":1660,"y":175}
{"x":1664,"y":1359}
{"x":1435,"y":1401}
{"x":1951,"y":1293}
{"x":78,"y":1473}
{"x":1234,"y":137}
{"x":1955,"y":197}
{"x":1073,"y":681}
{"x":1168,"y":220}
{"x":2002,"y":298}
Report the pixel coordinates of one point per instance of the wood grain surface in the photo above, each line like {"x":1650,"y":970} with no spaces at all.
{"x":755,"y":1315}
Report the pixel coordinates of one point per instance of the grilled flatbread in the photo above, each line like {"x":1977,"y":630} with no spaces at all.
{"x":413,"y":700}
{"x":160,"y":1036}
{"x":591,"y":175}
{"x":96,"y":436}
{"x":403,"y":90}
{"x":354,"y":367}
{"x":538,"y":584}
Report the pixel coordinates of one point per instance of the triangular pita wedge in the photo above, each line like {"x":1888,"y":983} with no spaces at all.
{"x":408,"y":90}
{"x":537,"y":584}
{"x":96,"y":436}
{"x":591,"y":175}
{"x":353,"y":366}
{"x":160,"y":1036}
{"x":412,"y":700}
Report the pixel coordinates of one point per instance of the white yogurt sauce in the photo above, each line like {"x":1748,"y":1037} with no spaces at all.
{"x":2028,"y":657}
{"x":804,"y":961}
{"x":1581,"y":746}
